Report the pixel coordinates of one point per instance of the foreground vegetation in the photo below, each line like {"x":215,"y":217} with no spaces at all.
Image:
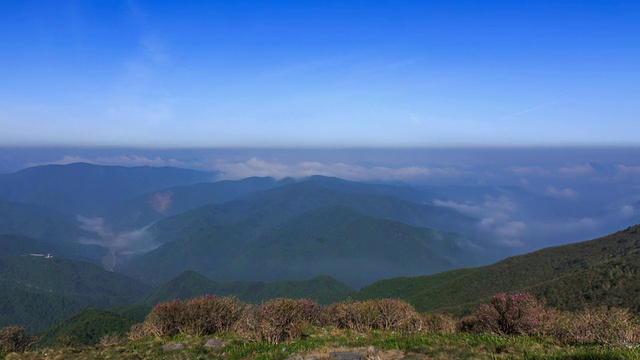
{"x":322,"y":341}
{"x":507,"y":327}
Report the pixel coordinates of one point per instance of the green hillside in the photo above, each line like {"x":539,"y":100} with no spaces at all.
{"x":85,"y":327}
{"x":36,"y":222}
{"x":188,"y":284}
{"x":36,"y":291}
{"x":600,"y":271}
{"x":354,"y":248}
{"x":35,"y":310}
{"x":206,"y":250}
{"x":19,"y":245}
{"x":374,"y":200}
{"x":274,"y":207}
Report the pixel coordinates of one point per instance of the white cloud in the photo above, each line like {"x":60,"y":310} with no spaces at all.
{"x":122,"y":160}
{"x":577,"y":170}
{"x":627,"y":210}
{"x":628,"y":170}
{"x":468,"y":209}
{"x":118,"y":242}
{"x":491,"y":207}
{"x":529,"y":170}
{"x":566,"y":193}
{"x":495,"y":214}
{"x":511,"y":229}
{"x":301,"y":169}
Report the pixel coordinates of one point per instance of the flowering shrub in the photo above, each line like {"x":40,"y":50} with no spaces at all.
{"x":602,"y":325}
{"x":165,"y":318}
{"x":516,"y":314}
{"x":282,"y":319}
{"x":13,"y":339}
{"x":381,"y":314}
{"x":199,"y":316}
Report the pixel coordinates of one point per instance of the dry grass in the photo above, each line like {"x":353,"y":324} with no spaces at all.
{"x":602,"y":325}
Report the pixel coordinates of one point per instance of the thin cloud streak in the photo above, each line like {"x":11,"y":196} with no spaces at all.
{"x":529,"y":110}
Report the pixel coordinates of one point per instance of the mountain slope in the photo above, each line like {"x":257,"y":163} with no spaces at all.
{"x":36,"y":291}
{"x":188,"y":284}
{"x":272,"y":208}
{"x":86,"y":327}
{"x":351,"y":247}
{"x":336,"y":241}
{"x":599,"y":271}
{"x":14,"y":245}
{"x":144,"y":209}
{"x":376,"y":200}
{"x":36,"y":222}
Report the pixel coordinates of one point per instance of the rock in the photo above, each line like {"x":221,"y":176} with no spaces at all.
{"x":214,"y":344}
{"x":294,"y":357}
{"x":174,"y":346}
{"x":370,"y":353}
{"x":346,"y":355}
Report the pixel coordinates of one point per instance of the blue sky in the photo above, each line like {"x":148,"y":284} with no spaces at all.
{"x":319,"y":73}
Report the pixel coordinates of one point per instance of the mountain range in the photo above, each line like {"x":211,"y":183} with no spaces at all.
{"x":86,"y":189}
{"x":134,"y":219}
{"x":173,"y":233}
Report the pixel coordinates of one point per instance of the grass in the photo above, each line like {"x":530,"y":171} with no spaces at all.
{"x":321,"y":341}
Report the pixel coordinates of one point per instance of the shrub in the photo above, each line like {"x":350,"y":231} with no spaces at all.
{"x":602,"y":325}
{"x":66,"y":340}
{"x":282,"y":319}
{"x":138,"y":331}
{"x":210,"y":314}
{"x":165,"y":318}
{"x":110,"y":339}
{"x":204,"y":315}
{"x":438,"y":323}
{"x":358,"y":315}
{"x":394,"y":314}
{"x":13,"y":339}
{"x":381,"y":314}
{"x":517,"y":314}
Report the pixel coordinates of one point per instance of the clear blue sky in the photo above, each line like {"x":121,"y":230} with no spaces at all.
{"x":319,"y":73}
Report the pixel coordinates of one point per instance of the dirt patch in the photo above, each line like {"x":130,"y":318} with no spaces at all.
{"x":367,"y":353}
